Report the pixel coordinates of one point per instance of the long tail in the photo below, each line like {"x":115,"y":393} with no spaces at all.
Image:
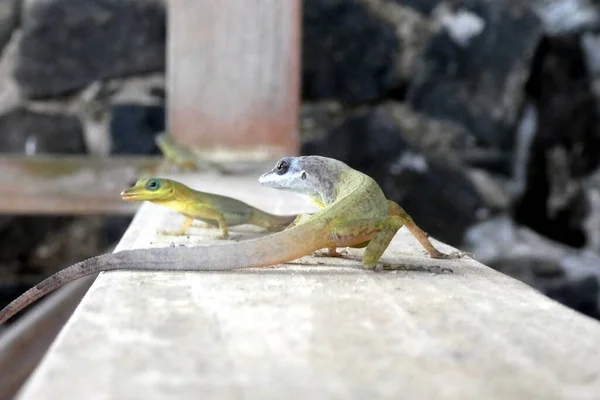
{"x":271,"y":249}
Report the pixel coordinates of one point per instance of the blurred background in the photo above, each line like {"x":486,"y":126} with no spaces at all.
{"x":479,"y":117}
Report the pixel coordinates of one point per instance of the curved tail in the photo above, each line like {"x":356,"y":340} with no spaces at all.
{"x":267,"y":250}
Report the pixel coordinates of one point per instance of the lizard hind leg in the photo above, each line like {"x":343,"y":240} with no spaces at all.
{"x":422,"y":237}
{"x":333,"y":251}
{"x":330,"y":252}
{"x":300,"y":219}
{"x":373,"y":233}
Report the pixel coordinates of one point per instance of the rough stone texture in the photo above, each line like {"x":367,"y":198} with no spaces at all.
{"x":417,"y":163}
{"x":30,"y":132}
{"x":474,"y":70}
{"x":412,"y":30}
{"x":103,"y":39}
{"x":347,"y":52}
{"x":133,"y":128}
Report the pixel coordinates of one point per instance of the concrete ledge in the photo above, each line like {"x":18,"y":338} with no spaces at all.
{"x":315,"y":328}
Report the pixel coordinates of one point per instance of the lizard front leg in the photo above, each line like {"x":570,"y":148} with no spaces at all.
{"x":182,"y":230}
{"x":223,"y":228}
{"x":207,"y":212}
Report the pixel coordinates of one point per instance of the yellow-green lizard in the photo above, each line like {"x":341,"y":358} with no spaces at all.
{"x":182,"y":157}
{"x":354,"y":213}
{"x":213,"y":209}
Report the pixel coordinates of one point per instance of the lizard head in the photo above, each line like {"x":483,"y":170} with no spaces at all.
{"x":149,"y":189}
{"x":305,"y":175}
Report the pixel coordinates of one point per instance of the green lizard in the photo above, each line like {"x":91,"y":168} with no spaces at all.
{"x":354,"y":213}
{"x":213,"y":209}
{"x":182,"y":157}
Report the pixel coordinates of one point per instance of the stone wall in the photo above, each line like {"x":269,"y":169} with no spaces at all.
{"x":74,"y":71}
{"x":480,"y":117}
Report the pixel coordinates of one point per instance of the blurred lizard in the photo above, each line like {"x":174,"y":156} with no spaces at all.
{"x":180,"y":156}
{"x":354,"y":213}
{"x":213,"y":209}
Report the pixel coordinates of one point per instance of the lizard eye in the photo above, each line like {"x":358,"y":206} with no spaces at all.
{"x":153,"y":185}
{"x":282,"y":167}
{"x":303,"y":176}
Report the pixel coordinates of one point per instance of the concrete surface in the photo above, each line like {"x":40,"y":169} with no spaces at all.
{"x":318,"y":328}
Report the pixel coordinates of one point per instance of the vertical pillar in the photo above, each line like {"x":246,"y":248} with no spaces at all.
{"x":233,"y":77}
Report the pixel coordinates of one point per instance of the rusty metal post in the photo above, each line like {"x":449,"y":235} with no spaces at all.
{"x":233,"y":77}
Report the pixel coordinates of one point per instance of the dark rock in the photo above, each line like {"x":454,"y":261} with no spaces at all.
{"x":566,"y":143}
{"x":368,"y":140}
{"x":440,"y":197}
{"x":591,"y":226}
{"x":68,"y":44}
{"x":8,"y":292}
{"x":580,"y":294}
{"x":423,"y":6}
{"x":564,"y":273}
{"x":33,"y":248}
{"x":67,"y":244}
{"x":474,"y":70}
{"x":159,"y":93}
{"x":497,"y":192}
{"x":393,"y":123}
{"x":23,"y":234}
{"x":390,"y":149}
{"x":115,"y":227}
{"x":319,"y":118}
{"x":435,"y":137}
{"x":590,"y":45}
{"x":348,"y":53}
{"x":30,"y":132}
{"x":9,"y":18}
{"x":133,"y":128}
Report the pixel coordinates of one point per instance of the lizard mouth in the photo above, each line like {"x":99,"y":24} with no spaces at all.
{"x":128,"y":196}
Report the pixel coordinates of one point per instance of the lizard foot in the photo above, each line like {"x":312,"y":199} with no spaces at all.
{"x":434,"y":269}
{"x":453,"y":255}
{"x":330,"y":253}
{"x":170,"y":233}
{"x":271,"y":266}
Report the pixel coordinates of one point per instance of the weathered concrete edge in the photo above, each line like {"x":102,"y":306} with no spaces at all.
{"x":141,"y":237}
